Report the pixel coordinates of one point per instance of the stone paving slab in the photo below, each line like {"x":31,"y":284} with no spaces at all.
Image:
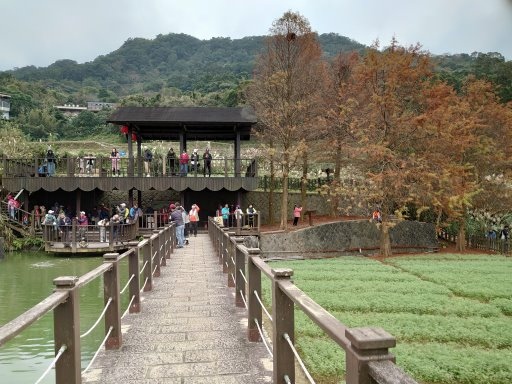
{"x":188,"y":332}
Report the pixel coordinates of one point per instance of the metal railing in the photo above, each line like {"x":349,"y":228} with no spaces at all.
{"x":368,"y":359}
{"x":64,"y":302}
{"x":105,"y":166}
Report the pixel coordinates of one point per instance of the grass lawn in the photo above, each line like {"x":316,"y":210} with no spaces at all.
{"x":451,"y":314}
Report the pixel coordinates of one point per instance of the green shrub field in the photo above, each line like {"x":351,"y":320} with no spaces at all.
{"x":451,"y":314}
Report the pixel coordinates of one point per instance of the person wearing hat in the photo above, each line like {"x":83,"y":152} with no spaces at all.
{"x":177,"y":218}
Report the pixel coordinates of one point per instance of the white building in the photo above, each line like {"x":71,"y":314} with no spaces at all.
{"x":5,"y":106}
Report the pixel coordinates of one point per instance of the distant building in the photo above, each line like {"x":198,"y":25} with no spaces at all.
{"x":5,"y":106}
{"x":71,"y":110}
{"x":95,"y":106}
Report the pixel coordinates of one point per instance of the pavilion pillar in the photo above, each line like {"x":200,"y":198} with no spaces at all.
{"x":130,"y":197}
{"x":139,"y":156}
{"x":237,"y":153}
{"x":130,"y":151}
{"x":78,"y":202}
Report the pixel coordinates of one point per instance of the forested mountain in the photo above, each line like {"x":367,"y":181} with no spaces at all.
{"x":169,"y":61}
{"x":180,"y":70}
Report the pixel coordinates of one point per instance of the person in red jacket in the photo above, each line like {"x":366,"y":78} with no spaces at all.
{"x":184,"y":163}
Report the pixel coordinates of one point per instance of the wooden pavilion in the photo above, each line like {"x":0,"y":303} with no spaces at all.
{"x":233,"y":176}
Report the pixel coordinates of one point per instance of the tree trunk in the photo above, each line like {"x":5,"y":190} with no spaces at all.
{"x":336,"y":181}
{"x":460,"y":243}
{"x":284,"y":199}
{"x":271,"y":218}
{"x":304,"y":183}
{"x":385,"y":241}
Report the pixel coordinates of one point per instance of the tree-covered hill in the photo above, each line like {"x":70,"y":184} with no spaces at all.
{"x":169,"y":61}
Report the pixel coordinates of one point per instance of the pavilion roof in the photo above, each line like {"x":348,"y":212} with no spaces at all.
{"x":200,"y":123}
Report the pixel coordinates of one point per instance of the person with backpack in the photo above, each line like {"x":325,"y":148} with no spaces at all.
{"x":207,"y":160}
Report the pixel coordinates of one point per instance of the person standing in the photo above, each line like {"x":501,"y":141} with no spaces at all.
{"x":184,"y":163}
{"x":194,"y":219}
{"x":225,"y":215}
{"x":114,"y":157}
{"x":177,"y":219}
{"x":239,"y":214}
{"x":171,"y":162}
{"x":297,"y":209}
{"x":251,"y":211}
{"x":148,"y":158}
{"x":207,"y":163}
{"x":50,"y":161}
{"x":194,"y":162}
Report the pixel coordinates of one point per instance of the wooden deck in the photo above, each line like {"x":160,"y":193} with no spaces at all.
{"x":92,"y":247}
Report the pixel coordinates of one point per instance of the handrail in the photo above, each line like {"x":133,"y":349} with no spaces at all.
{"x":367,"y":356}
{"x":104,"y":166}
{"x":15,"y":326}
{"x":64,"y":303}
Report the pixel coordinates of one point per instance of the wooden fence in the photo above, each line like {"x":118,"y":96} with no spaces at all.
{"x":152,"y":253}
{"x":368,"y":359}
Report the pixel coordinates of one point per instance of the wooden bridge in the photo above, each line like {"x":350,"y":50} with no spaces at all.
{"x":196,"y":315}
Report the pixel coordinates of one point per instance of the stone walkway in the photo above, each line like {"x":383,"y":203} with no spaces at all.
{"x":188,"y":331}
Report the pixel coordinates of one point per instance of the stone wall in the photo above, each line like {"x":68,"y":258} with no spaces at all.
{"x":347,"y":238}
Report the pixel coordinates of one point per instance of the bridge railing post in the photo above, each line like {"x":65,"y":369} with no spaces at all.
{"x":154,"y":250}
{"x":254,"y":310}
{"x":111,"y":291}
{"x":148,"y":270}
{"x":160,"y":247}
{"x":167,"y":241}
{"x":67,"y":332}
{"x":239,"y":279}
{"x":283,"y":323}
{"x":230,"y":250}
{"x":225,"y":248}
{"x":133,"y":270}
{"x":366,"y":345}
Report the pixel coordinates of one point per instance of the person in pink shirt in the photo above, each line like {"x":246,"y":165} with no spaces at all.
{"x":194,"y":219}
{"x":83,"y":222}
{"x":297,"y":209}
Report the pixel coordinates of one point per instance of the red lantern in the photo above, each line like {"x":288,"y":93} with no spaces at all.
{"x":124,"y":129}
{"x":134,"y":137}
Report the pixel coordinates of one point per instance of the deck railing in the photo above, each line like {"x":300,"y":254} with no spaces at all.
{"x":76,"y":235}
{"x":152,"y":253}
{"x":368,"y":359}
{"x":126,"y":167}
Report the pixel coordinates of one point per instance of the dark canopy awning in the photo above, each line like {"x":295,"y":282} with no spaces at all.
{"x":197,"y":123}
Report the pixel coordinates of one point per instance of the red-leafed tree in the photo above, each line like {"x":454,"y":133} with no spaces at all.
{"x":286,"y":93}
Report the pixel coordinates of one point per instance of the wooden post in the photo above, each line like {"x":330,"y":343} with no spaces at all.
{"x":113,"y":313}
{"x":231,"y":247}
{"x":254,"y":310}
{"x":148,"y":271}
{"x":367,"y":344}
{"x":66,"y":328}
{"x":239,"y":280}
{"x":283,"y":323}
{"x":155,"y":252}
{"x":73,"y":235}
{"x":133,"y":269}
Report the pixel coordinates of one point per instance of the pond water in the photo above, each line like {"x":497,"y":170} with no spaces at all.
{"x":26,"y":279}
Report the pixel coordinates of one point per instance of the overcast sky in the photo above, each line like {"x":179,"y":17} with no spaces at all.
{"x":39,"y":32}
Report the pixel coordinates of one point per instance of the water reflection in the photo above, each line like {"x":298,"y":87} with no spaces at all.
{"x":26,"y":279}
